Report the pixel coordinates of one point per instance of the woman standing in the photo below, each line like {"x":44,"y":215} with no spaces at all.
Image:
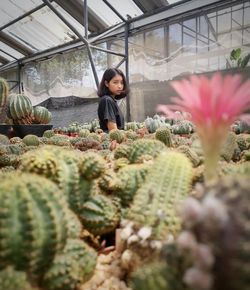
{"x":113,"y":87}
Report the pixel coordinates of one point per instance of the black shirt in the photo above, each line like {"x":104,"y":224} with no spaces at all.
{"x":108,"y":110}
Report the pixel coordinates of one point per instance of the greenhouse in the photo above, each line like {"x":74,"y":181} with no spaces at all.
{"x":124,"y":145}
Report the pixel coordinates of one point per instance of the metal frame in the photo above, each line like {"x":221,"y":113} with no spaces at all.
{"x":173,"y":11}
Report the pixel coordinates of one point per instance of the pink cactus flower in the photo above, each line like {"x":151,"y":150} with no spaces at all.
{"x":213,"y":104}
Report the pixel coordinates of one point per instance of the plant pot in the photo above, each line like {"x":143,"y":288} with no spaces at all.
{"x":34,"y":129}
{"x":6,"y":130}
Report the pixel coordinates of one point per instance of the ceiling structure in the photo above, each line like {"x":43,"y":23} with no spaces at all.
{"x":29,"y":27}
{"x":34,"y":29}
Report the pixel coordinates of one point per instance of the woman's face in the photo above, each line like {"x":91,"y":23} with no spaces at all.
{"x":115,"y":85}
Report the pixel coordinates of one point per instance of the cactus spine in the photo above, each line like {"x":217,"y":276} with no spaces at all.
{"x":33,"y":222}
{"x":168,"y":182}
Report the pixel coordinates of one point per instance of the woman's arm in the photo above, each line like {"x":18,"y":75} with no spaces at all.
{"x":111,"y":125}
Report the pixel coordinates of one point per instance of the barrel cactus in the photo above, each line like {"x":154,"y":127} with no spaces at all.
{"x":10,"y":279}
{"x":92,"y":165}
{"x":20,"y":109}
{"x":117,"y":135}
{"x":163,"y":134}
{"x":72,"y":267}
{"x":100,"y":214}
{"x":41,"y":115}
{"x":143,"y":147}
{"x":33,"y":222}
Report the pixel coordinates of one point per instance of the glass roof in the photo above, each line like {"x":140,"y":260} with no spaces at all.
{"x":43,"y":29}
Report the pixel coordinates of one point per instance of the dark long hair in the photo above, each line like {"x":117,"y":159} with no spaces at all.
{"x":107,"y":76}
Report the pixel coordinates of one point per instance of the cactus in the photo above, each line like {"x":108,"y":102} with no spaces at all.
{"x":243,"y":141}
{"x":216,"y":236}
{"x":41,"y":115}
{"x":121,"y":151}
{"x":131,"y":126}
{"x":11,"y":279}
{"x":144,"y":147}
{"x":48,"y":133}
{"x":191,"y":154}
{"x":59,"y":140}
{"x":92,"y":165}
{"x":167,"y":183}
{"x":229,"y":146}
{"x":108,"y":181}
{"x":20,"y":109}
{"x":117,"y":135}
{"x":73,"y":267}
{"x":4,"y":92}
{"x":152,"y":124}
{"x":130,"y":177}
{"x":163,"y":134}
{"x":9,"y":160}
{"x":183,"y":128}
{"x":4,"y":139}
{"x":100,"y":214}
{"x":31,"y":140}
{"x":33,"y":222}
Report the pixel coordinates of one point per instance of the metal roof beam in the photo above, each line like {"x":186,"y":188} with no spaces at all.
{"x":3,"y":60}
{"x":10,"y":41}
{"x":23,"y":16}
{"x":8,"y":54}
{"x":76,"y":7}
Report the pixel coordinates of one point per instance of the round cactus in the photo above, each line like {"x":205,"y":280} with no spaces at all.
{"x":33,"y":222}
{"x":100,"y":214}
{"x":11,"y":279}
{"x":92,"y":165}
{"x":20,"y":109}
{"x":41,"y":115}
{"x":163,"y":134}
{"x":31,"y":140}
{"x":74,"y":266}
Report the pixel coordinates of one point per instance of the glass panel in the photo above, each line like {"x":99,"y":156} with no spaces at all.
{"x":104,"y":12}
{"x":224,"y":20}
{"x":41,"y":31}
{"x":10,"y":50}
{"x":154,"y":42}
{"x":6,"y":56}
{"x":10,"y":10}
{"x":174,"y":38}
{"x":127,"y":8}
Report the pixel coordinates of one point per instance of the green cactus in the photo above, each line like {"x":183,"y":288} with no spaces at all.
{"x":92,"y":165}
{"x":86,"y":189}
{"x":121,"y":151}
{"x":131,"y":177}
{"x":167,"y":183}
{"x":109,"y":182}
{"x":9,"y":160}
{"x":117,"y":135}
{"x":31,"y":140}
{"x":20,"y":109}
{"x":163,"y":134}
{"x":56,"y":163}
{"x":183,"y":128}
{"x":60,"y":140}
{"x":33,"y":222}
{"x":243,"y":141}
{"x":131,"y":126}
{"x":73,"y":267}
{"x":11,"y":279}
{"x":229,"y":146}
{"x":144,"y":147}
{"x":4,"y":139}
{"x":48,"y":133}
{"x":191,"y":154}
{"x":100,"y":214}
{"x":41,"y":115}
